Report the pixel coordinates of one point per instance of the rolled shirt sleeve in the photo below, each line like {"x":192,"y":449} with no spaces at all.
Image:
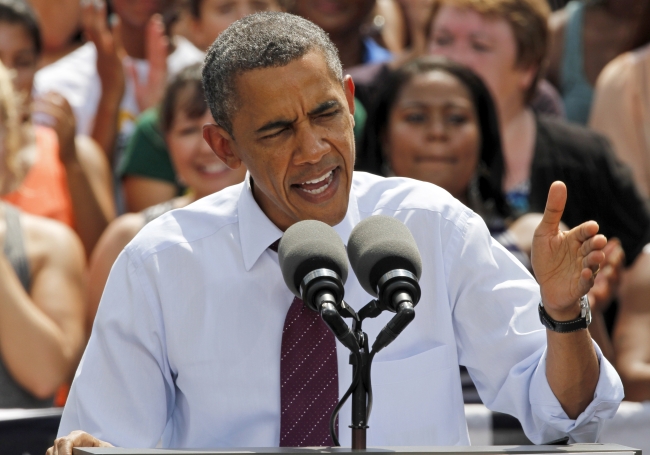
{"x":503,"y":344}
{"x":587,"y":426}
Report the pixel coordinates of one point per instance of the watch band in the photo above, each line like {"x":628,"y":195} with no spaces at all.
{"x":580,"y":323}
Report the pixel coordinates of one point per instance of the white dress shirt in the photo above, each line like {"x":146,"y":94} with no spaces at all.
{"x":186,"y":343}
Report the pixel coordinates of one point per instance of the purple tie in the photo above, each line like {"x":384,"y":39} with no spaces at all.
{"x":308,"y":378}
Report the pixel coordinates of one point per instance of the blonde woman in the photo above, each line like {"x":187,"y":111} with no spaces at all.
{"x":41,"y":283}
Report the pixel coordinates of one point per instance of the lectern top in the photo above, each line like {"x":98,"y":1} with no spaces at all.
{"x":577,"y":449}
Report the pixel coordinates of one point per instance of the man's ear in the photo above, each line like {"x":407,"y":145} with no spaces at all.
{"x":221,"y":144}
{"x":348,"y":86}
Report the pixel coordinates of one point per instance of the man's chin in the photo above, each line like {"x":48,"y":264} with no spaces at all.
{"x":332,"y":212}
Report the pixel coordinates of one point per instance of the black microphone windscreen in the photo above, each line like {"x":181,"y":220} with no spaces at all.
{"x":378,"y":245}
{"x":307,"y":246}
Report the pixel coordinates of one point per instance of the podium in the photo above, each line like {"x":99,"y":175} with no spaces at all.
{"x":571,"y":449}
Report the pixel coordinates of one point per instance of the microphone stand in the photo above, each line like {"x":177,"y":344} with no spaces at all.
{"x":360,"y":396}
{"x":361,"y":360}
{"x":359,"y":421}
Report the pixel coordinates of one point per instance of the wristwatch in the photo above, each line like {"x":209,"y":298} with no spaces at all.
{"x":580,"y":323}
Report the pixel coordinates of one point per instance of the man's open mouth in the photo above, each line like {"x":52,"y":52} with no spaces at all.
{"x":317,"y":185}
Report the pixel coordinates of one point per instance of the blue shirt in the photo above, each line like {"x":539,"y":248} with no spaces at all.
{"x":374,"y":53}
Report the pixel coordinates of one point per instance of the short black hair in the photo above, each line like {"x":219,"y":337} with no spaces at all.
{"x":261,"y":40}
{"x":19,"y":12}
{"x":491,"y":162}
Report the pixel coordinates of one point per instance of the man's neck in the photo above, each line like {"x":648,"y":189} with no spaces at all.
{"x":134,"y":40}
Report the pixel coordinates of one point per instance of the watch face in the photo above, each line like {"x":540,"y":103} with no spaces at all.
{"x":585,"y":309}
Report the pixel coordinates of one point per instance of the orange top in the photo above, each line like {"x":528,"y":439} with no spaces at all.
{"x":44,"y":191}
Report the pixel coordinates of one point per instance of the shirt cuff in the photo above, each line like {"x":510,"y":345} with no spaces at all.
{"x":586,"y":428}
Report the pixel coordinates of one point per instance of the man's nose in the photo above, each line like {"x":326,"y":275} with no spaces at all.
{"x":312,"y":146}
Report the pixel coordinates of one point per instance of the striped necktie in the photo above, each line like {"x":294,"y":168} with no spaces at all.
{"x":308,"y":378}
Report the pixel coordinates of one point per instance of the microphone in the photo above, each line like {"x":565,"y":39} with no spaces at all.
{"x":386,"y":260}
{"x":314,"y":267}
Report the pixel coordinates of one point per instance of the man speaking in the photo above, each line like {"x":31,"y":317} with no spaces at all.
{"x":198,"y":342}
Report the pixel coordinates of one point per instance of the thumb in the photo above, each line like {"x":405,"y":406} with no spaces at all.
{"x":555,"y":204}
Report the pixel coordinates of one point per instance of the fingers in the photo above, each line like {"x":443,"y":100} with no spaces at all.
{"x":593,"y":243}
{"x":594,"y":261}
{"x":157,"y":43}
{"x":53,"y":110}
{"x":585,"y":231}
{"x":64,"y":446}
{"x":615,"y":254}
{"x":555,"y":204}
{"x":93,"y":19}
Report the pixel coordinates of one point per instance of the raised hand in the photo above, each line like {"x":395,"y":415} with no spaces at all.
{"x":565,"y":263}
{"x":53,"y":110}
{"x":110,"y":51}
{"x":150,"y":92}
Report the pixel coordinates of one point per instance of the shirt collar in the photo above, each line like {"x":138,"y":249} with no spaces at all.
{"x":257,"y":231}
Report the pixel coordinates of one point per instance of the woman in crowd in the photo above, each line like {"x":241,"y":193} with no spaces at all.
{"x":68,"y":178}
{"x":585,"y":36}
{"x":435,"y":121}
{"x":41,"y":283}
{"x":505,"y":42}
{"x":182,"y":114}
{"x":621,"y":109}
{"x":146,"y":169}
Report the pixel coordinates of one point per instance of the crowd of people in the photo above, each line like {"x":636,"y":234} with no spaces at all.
{"x":101,"y":115}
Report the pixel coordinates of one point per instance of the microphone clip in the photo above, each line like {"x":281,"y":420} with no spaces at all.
{"x":396,"y":286}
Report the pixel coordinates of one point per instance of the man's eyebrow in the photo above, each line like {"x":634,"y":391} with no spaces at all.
{"x":323,"y":107}
{"x":279,"y":124}
{"x":274,"y":125}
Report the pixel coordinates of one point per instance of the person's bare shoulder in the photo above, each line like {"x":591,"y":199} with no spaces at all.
{"x":119,"y":233}
{"x":617,"y":73}
{"x":50,"y":243}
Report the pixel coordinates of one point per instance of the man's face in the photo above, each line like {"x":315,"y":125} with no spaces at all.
{"x":334,"y":16}
{"x":137,"y":13}
{"x":485,"y":44}
{"x":293,"y":130}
